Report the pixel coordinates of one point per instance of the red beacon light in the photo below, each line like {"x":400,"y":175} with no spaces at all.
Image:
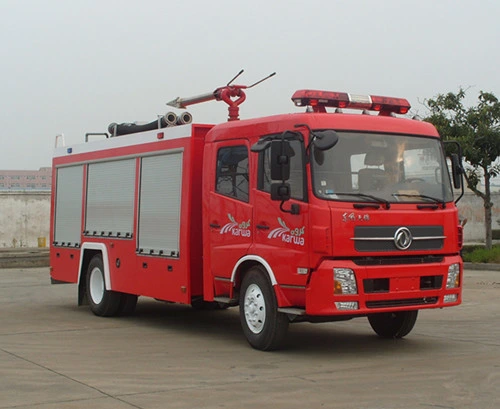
{"x":320,"y":100}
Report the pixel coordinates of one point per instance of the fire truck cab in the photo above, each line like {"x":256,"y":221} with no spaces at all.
{"x":312,"y":216}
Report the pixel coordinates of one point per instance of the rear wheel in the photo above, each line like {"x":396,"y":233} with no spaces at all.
{"x":264,"y":327}
{"x":102,"y":302}
{"x":393,"y":324}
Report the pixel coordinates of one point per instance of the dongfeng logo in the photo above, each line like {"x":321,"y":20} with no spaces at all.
{"x":403,"y":238}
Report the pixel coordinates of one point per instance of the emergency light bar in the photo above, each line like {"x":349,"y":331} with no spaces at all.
{"x":319,"y":100}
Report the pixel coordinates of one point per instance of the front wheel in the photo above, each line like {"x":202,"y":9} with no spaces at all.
{"x":393,"y":324}
{"x":102,"y":302}
{"x":264,"y":327}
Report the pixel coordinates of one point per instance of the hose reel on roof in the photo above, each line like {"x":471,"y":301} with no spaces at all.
{"x":169,"y":119}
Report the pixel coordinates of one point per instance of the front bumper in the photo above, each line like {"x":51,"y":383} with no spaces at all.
{"x":383,"y":288}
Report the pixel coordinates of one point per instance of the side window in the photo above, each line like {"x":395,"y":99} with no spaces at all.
{"x":296,"y":171}
{"x":232,"y":172}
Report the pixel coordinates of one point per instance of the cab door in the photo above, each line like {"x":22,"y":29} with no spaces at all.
{"x":282,"y":235}
{"x":229,"y":212}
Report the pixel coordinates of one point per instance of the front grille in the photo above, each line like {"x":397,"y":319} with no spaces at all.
{"x":390,"y":261}
{"x":381,"y":238}
{"x":401,"y":303}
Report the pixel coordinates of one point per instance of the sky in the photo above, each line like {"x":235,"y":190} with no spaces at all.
{"x":74,"y":67}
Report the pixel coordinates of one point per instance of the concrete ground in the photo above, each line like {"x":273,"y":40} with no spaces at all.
{"x":54,"y":354}
{"x":24,"y":257}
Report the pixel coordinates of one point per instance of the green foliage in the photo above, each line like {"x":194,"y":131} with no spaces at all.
{"x":477,"y":128}
{"x":479,"y":254}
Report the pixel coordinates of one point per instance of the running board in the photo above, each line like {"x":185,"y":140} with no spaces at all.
{"x":292,"y":311}
{"x":226,"y":300}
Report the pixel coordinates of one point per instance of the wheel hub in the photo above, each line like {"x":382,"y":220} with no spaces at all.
{"x":96,"y":285}
{"x":255,"y":308}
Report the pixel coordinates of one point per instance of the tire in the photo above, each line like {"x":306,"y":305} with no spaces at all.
{"x":393,"y":324}
{"x":264,"y":327}
{"x":127,"y":305}
{"x":102,"y":302}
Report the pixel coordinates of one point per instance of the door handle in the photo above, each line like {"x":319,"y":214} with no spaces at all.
{"x":215,"y":226}
{"x":262,"y":227}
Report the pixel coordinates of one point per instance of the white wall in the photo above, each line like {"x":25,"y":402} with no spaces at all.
{"x":24,"y":217}
{"x":472,"y":208}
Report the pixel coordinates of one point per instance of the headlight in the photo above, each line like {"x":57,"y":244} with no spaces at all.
{"x":453,"y":279}
{"x":344,"y":281}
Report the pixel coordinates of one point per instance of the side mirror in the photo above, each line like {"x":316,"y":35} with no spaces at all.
{"x":280,"y":159}
{"x":456,"y":168}
{"x":454,"y":152}
{"x":280,"y":191}
{"x":324,"y":140}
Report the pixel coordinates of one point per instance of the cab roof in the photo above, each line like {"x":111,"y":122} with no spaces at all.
{"x":337,"y":121}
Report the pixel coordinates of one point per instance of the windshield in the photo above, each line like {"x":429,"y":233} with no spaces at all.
{"x":386,"y":168}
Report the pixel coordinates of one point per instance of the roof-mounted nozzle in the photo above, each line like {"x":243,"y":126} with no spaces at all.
{"x":226,"y":94}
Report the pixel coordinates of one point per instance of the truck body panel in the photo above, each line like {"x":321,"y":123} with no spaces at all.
{"x":129,"y":197}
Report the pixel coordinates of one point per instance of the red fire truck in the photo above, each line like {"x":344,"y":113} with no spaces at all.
{"x":328,"y":214}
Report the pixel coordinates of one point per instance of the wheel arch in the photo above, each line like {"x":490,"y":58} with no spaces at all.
{"x":244,"y":264}
{"x":88,"y":251}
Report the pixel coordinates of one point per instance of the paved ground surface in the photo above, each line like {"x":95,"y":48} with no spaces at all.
{"x":54,"y":354}
{"x":24,"y":257}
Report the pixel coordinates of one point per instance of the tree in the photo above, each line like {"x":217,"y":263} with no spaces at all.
{"x":477,"y":129}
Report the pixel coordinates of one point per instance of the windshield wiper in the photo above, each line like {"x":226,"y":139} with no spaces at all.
{"x":366,"y":196}
{"x":432,"y":199}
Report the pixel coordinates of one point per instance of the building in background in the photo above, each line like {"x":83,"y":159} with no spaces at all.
{"x":25,"y":207}
{"x":26,"y":180}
